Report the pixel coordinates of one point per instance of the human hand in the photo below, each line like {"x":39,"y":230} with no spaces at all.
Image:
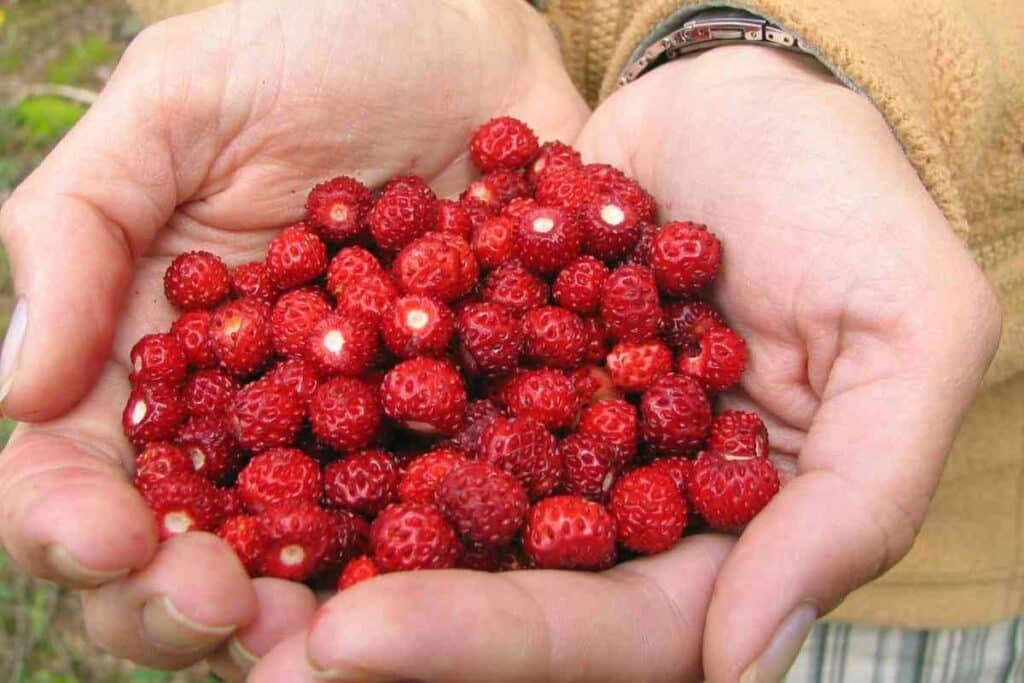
{"x":209,"y":135}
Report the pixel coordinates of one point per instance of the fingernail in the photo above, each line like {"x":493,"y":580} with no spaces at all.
{"x":71,"y":573}
{"x":12,"y":347}
{"x":169,"y":629}
{"x":781,"y":652}
{"x":243,"y":658}
{"x":344,"y":676}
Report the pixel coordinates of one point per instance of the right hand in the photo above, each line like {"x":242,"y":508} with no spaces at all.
{"x":209,"y":135}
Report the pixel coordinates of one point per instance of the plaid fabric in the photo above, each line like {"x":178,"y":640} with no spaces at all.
{"x":841,"y":653}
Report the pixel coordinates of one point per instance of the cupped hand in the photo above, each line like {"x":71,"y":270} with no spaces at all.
{"x":209,"y":135}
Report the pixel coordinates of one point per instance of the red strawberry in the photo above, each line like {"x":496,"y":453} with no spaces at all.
{"x":517,"y":207}
{"x":615,"y":422}
{"x":553,"y":155}
{"x":277,"y":475}
{"x":498,"y":188}
{"x":240,"y":335}
{"x":569,"y":532}
{"x":526,"y":450}
{"x":336,"y":208}
{"x":568,"y":188}
{"x":209,"y":392}
{"x":554,"y":337}
{"x":159,"y":460}
{"x":153,"y":413}
{"x":246,"y":536}
{"x":196,"y":279}
{"x":437,"y":264}
{"x":345,"y":413}
{"x":300,"y":539}
{"x":594,"y":384}
{"x":424,"y":474}
{"x":349,"y":265}
{"x":490,"y":338}
{"x":720,"y":361}
{"x":514,"y":286}
{"x":408,"y":536}
{"x":479,"y":414}
{"x":365,"y":482}
{"x":548,"y":396}
{"x":424,"y":395}
{"x":253,"y":279}
{"x":264,"y":415}
{"x":676,"y":415}
{"x":295,"y":257}
{"x":230,"y":502}
{"x":503,"y":143}
{"x":678,"y":469}
{"x":350,"y":533}
{"x":611,"y":227}
{"x":417,"y":325}
{"x":293,"y":318}
{"x":629,"y":304}
{"x":483,"y":503}
{"x":490,"y":559}
{"x":736,"y":432}
{"x":366,"y":298}
{"x":183,"y":502}
{"x":356,"y":571}
{"x":342,"y":345}
{"x":493,"y":241}
{"x":649,"y":511}
{"x":685,"y":322}
{"x":453,"y":219}
{"x":596,"y":335}
{"x":157,"y":358}
{"x":192,"y":330}
{"x":635,"y":365}
{"x":641,"y":255}
{"x":728,"y":490}
{"x":578,"y":286}
{"x":685,"y":258}
{"x":476,"y":211}
{"x":405,"y":210}
{"x":297,"y":375}
{"x":547,"y":238}
{"x":591,"y":465}
{"x":608,"y":180}
{"x":210,"y":446}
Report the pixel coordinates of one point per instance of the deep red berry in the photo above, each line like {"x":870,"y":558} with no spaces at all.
{"x":635,"y":365}
{"x":512,"y":285}
{"x":517,"y":207}
{"x":364,"y":482}
{"x":366,"y":298}
{"x":212,"y":449}
{"x":153,"y":413}
{"x":342,"y":345}
{"x":526,"y":450}
{"x":554,"y":337}
{"x":568,"y":188}
{"x":497,"y":188}
{"x":196,"y":279}
{"x":596,"y":335}
{"x":408,"y":536}
{"x":728,"y":491}
{"x":417,"y":325}
{"x":422,"y":476}
{"x":493,"y":241}
{"x":240,"y":335}
{"x":336,"y":208}
{"x":296,"y":257}
{"x":483,"y":503}
{"x":547,"y":238}
{"x":300,"y":540}
{"x":183,"y":502}
{"x":349,"y":265}
{"x":569,"y":532}
{"x":158,"y":358}
{"x":438,"y":264}
{"x":277,"y":475}
{"x":594,"y":384}
{"x":685,"y":258}
{"x":297,"y":375}
{"x":611,"y":227}
{"x":553,"y":155}
{"x":405,"y":210}
{"x":350,"y":534}
{"x":209,"y":392}
{"x":548,"y":396}
{"x":678,"y":469}
{"x":503,"y":143}
{"x":630,"y":306}
{"x":685,"y":322}
{"x":591,"y":465}
{"x":737,"y":432}
{"x":293,"y":318}
{"x":192,"y":330}
{"x":344,"y":413}
{"x":424,"y":395}
{"x":675,"y":414}
{"x":610,"y":181}
{"x":453,"y":219}
{"x":490,"y":338}
{"x":253,"y":279}
{"x":479,"y":414}
{"x":578,"y":286}
{"x":613,"y":421}
{"x":246,"y":536}
{"x":720,"y":361}
{"x":230,"y":502}
{"x":476,"y":211}
{"x":357,"y":570}
{"x":641,"y":255}
{"x":649,"y":511}
{"x":160,"y":459}
{"x":264,"y":415}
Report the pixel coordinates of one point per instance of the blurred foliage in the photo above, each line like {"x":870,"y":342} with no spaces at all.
{"x":81,"y":59}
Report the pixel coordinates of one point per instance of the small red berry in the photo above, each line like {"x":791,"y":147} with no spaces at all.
{"x":253,"y":279}
{"x":417,"y":325}
{"x":553,"y":155}
{"x":685,"y":322}
{"x":296,"y":257}
{"x":591,"y":465}
{"x":277,"y":475}
{"x":342,"y":345}
{"x":297,"y":375}
{"x":240,"y":335}
{"x":512,"y":285}
{"x":497,"y":188}
{"x":183,"y":502}
{"x":356,"y":571}
{"x":424,"y":395}
{"x":490,"y":338}
{"x":554,"y":337}
{"x":409,"y":536}
{"x":594,"y":384}
{"x":453,"y":219}
{"x":526,"y":450}
{"x":405,"y":210}
{"x":720,"y":361}
{"x":345,"y":414}
{"x":596,"y":334}
{"x":493,"y":241}
{"x":196,"y":279}
{"x":192,"y":330}
{"x":503,"y":143}
{"x":366,"y":298}
{"x":630,"y":306}
{"x":349,"y":265}
{"x":264,"y":415}
{"x":736,"y":432}
{"x":293,"y":318}
{"x":158,"y":358}
{"x":160,"y":459}
{"x":365,"y":482}
{"x":649,"y":511}
{"x":635,"y":365}
{"x":336,"y":208}
{"x":578,"y":286}
{"x":611,"y":228}
{"x":422,"y":476}
{"x":300,"y":540}
{"x":615,"y":422}
{"x":476,"y":211}
{"x":610,"y":181}
{"x":641,"y":255}
{"x":209,"y":392}
{"x":568,"y":188}
{"x":210,"y":446}
{"x":685,"y":258}
{"x":479,"y":414}
{"x":569,"y":532}
{"x":547,"y":238}
{"x":153,"y":413}
{"x":728,"y":490}
{"x":246,"y":536}
{"x":548,"y":396}
{"x":678,"y":469}
{"x":483,"y":503}
{"x":676,"y":415}
{"x":437,"y":264}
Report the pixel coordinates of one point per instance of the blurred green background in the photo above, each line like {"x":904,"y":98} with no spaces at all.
{"x":54,"y":58}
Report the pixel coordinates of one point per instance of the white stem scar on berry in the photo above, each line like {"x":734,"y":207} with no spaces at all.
{"x":543,"y":225}
{"x":339,"y":213}
{"x":334,"y":341}
{"x":417,"y":319}
{"x":139,"y":412}
{"x":612,"y":214}
{"x":292,"y":555}
{"x":178,"y":522}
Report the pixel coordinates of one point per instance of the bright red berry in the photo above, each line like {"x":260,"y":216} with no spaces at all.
{"x":349,"y":265}
{"x":424,"y":395}
{"x":356,"y":571}
{"x":366,"y":298}
{"x":493,"y":241}
{"x":453,"y":219}
{"x":611,"y":227}
{"x":737,"y":432}
{"x":342,"y":345}
{"x":351,"y":537}
{"x":512,"y":285}
{"x":300,"y":539}
{"x":230,"y":502}
{"x":554,"y":337}
{"x":437,"y":264}
{"x":498,"y":188}
{"x":336,"y":208}
{"x":209,"y":392}
{"x":685,"y":322}
{"x":490,"y":338}
{"x":676,"y":415}
{"x":253,"y":279}
{"x":615,"y":422}
{"x":649,"y":511}
{"x":345,"y":413}
{"x":567,"y":188}
{"x":591,"y":465}
{"x":246,"y":536}
{"x":405,"y":210}
{"x":417,"y":325}
{"x":641,"y":255}
{"x":610,"y":181}
{"x":678,"y":468}
{"x":408,"y":536}
{"x":296,"y":257}
{"x":596,"y":334}
{"x":526,"y":450}
{"x":594,"y":384}
{"x":297,"y":375}
{"x":293,"y":318}
{"x":503,"y":143}
{"x":476,"y":211}
{"x":365,"y":482}
{"x":192,"y":330}
{"x":160,"y":459}
{"x":277,"y":475}
{"x":153,"y":413}
{"x":635,"y":365}
{"x":517,"y":207}
{"x":158,"y":358}
{"x":240,"y":335}
{"x":547,"y":238}
{"x":553,"y":155}
{"x":422,"y":476}
{"x":569,"y":532}
{"x":183,"y":502}
{"x":196,"y":279}
{"x":483,"y":503}
{"x":630,"y":306}
{"x":479,"y":414}
{"x":264,"y":415}
{"x":720,"y":361}
{"x":728,"y":490}
{"x":548,"y":396}
{"x":685,"y":258}
{"x":578,"y":286}
{"x":212,"y":449}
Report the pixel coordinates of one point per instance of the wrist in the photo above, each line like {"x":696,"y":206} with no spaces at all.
{"x":730,"y":63}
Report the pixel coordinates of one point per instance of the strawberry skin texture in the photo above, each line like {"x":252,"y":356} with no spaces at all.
{"x":240,"y":336}
{"x":554,"y":337}
{"x":196,"y":279}
{"x":503,"y":143}
{"x":345,"y":413}
{"x":300,"y":540}
{"x":483,"y":503}
{"x":685,"y":258}
{"x":591,"y":466}
{"x":246,"y":536}
{"x":490,"y":338}
{"x":548,"y":396}
{"x":635,"y":365}
{"x":649,"y":511}
{"x":630,"y":306}
{"x":296,"y":257}
{"x":336,"y":208}
{"x":408,"y":536}
{"x":614,"y":421}
{"x":158,"y":358}
{"x":526,"y":450}
{"x":569,"y":532}
{"x":264,"y":415}
{"x":364,"y":482}
{"x":425,"y":395}
{"x":422,"y":477}
{"x":728,"y":491}
{"x":676,"y":415}
{"x":738,"y":432}
{"x":192,"y":330}
{"x":277,"y":475}
{"x":720,"y":361}
{"x":356,"y":571}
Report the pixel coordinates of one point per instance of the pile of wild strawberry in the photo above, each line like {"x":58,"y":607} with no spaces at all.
{"x":517,"y":378}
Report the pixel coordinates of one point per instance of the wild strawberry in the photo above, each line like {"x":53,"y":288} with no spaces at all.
{"x":365,"y":482}
{"x":608,"y":180}
{"x":512,"y":285}
{"x":594,"y":384}
{"x":300,"y":539}
{"x":554,"y":337}
{"x":196,"y":279}
{"x":493,"y":241}
{"x":578,"y":285}
{"x":349,"y":265}
{"x":345,"y":413}
{"x":613,"y":421}
{"x":476,"y":211}
{"x":437,"y":264}
{"x":405,"y":210}
{"x":548,"y":396}
{"x":297,"y":375}
{"x":209,"y":392}
{"x":567,"y":188}
{"x":611,"y":227}
{"x":497,"y":188}
{"x":479,"y":414}
{"x":240,"y":336}
{"x":569,"y":532}
{"x":230,"y":502}
{"x":277,"y":475}
{"x":635,"y":365}
{"x":503,"y":143}
{"x":720,"y":361}
{"x":210,"y":446}
{"x":518,"y":206}
{"x":158,"y":358}
{"x":526,"y":450}
{"x":483,"y":503}
{"x":453,"y":219}
{"x":417,"y":325}
{"x":553,"y":155}
{"x":685,"y":322}
{"x":336,"y":208}
{"x":685,"y":258}
{"x":253,"y":279}
{"x":247,"y":538}
{"x":676,"y":415}
{"x":192,"y":330}
{"x":678,"y":469}
{"x":595,"y":333}
{"x":351,"y":537}
{"x":649,"y":511}
{"x":424,"y":395}
{"x":736,"y":432}
{"x":160,"y":459}
{"x":591,"y":465}
{"x":357,"y":570}
{"x":342,"y":345}
{"x":153,"y":413}
{"x":729,"y":490}
{"x":547,"y":238}
{"x":295,"y":257}
{"x":293,"y":318}
{"x":422,"y":476}
{"x":629,"y":304}
{"x":641,"y":255}
{"x":490,"y":338}
{"x":408,"y":536}
{"x":183,"y":502}
{"x":264,"y":415}
{"x":366,"y":298}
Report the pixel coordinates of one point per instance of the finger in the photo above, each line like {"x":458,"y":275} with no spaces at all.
{"x":518,"y":626}
{"x":189,"y":600}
